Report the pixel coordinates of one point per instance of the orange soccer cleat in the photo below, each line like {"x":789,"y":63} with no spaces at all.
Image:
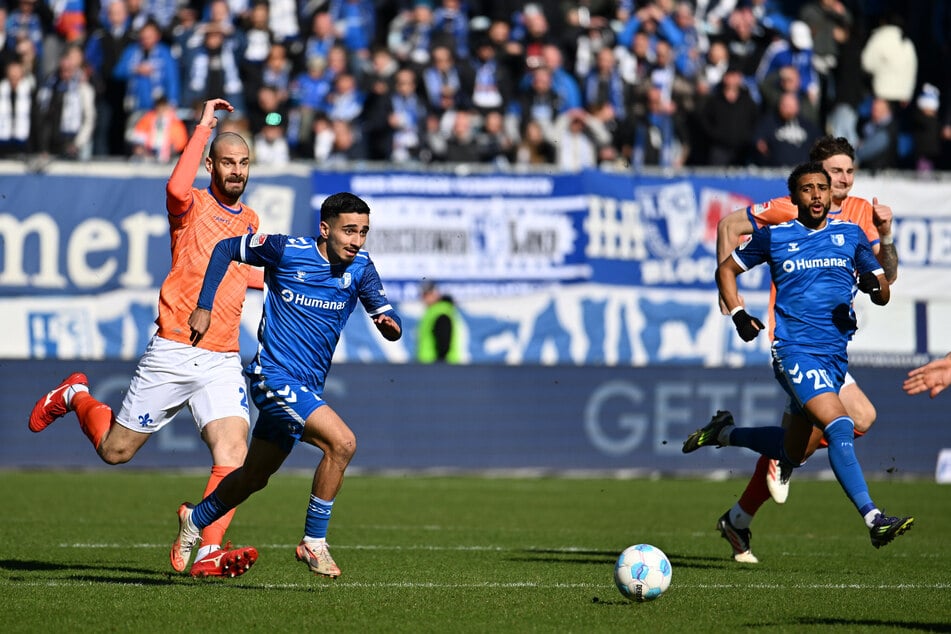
{"x":225,"y":562}
{"x":53,"y":405}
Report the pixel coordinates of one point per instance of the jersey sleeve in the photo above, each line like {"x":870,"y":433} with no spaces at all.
{"x":754,"y":251}
{"x":178,"y":190}
{"x":259,"y":249}
{"x":373,"y":296}
{"x":773,"y":212}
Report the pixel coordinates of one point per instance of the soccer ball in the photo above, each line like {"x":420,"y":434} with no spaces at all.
{"x":642,"y":572}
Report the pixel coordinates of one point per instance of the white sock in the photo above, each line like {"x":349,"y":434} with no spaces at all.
{"x":315,"y":540}
{"x":740,"y":518}
{"x":870,"y":517}
{"x":206,"y":550}
{"x":71,"y":392}
{"x":723,"y":438}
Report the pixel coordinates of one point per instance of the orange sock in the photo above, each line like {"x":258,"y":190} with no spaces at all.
{"x":95,"y":418}
{"x":756,"y":492}
{"x":214,"y":533}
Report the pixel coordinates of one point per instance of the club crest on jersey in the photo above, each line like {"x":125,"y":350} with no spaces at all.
{"x":346,"y":279}
{"x":257,"y":240}
{"x":838,"y":239}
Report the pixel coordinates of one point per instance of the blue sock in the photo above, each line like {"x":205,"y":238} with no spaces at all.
{"x":839,"y":434}
{"x":208,"y":510}
{"x":765,"y":440}
{"x":318,"y":516}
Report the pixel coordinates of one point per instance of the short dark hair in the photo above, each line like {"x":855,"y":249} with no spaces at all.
{"x":342,"y":203}
{"x":812,"y":167}
{"x":827,"y":146}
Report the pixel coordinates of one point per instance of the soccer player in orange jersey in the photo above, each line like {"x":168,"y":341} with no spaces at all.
{"x":837,"y":157}
{"x":172,"y":373}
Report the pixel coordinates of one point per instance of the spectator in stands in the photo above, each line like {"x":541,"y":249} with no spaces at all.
{"x":446,"y":76}
{"x":889,"y":56}
{"x":575,"y":150}
{"x":878,"y":141}
{"x":657,"y":136}
{"x":30,"y":20}
{"x":492,"y":86}
{"x":214,"y":70}
{"x":727,"y":120}
{"x":345,"y":100}
{"x":533,"y":148}
{"x":149,"y":71}
{"x":539,"y":103}
{"x":562,"y":81}
{"x":604,"y":84}
{"x":103,"y":50}
{"x":308,"y":96}
{"x":451,"y":27}
{"x":356,"y":25}
{"x":159,"y":135}
{"x":64,"y":115}
{"x":850,"y":92}
{"x":495,"y":145}
{"x":529,"y":34}
{"x":635,"y":62}
{"x":407,"y":117}
{"x":7,"y":43}
{"x":926,"y":127}
{"x":795,"y":51}
{"x":17,"y":90}
{"x":270,"y":144}
{"x":409,"y":36}
{"x":322,"y":36}
{"x":783,"y":81}
{"x":745,"y":44}
{"x":284,"y":24}
{"x":257,"y":46}
{"x":461,"y":144}
{"x":783,"y":136}
{"x":830,"y":23}
{"x":267,"y":102}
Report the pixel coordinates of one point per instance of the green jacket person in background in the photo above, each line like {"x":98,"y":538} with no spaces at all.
{"x":437,"y":338}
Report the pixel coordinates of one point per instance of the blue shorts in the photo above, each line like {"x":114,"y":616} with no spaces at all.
{"x":283,"y":408}
{"x":805,"y":374}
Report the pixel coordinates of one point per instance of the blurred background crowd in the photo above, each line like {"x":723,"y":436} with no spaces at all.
{"x":573,"y":85}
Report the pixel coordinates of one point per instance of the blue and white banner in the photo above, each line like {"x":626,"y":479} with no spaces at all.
{"x":588,"y":268}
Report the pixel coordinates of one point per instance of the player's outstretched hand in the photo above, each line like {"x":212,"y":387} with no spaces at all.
{"x":208,"y":117}
{"x":747,"y":325}
{"x":198,"y":321}
{"x":388,"y":327}
{"x":932,"y":378}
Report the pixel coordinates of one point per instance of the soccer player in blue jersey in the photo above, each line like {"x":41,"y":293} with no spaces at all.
{"x":813,"y":263}
{"x":313,"y":286}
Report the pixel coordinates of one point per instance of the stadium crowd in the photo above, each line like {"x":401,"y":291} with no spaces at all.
{"x":628,"y":83}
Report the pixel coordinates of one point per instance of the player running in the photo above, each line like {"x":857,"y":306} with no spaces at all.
{"x":813,"y":262}
{"x":769,"y":479}
{"x":314,"y":285}
{"x":172,"y":373}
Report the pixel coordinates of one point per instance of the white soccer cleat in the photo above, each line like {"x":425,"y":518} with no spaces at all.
{"x":188,"y":536}
{"x":317,"y":557}
{"x":777,"y":481}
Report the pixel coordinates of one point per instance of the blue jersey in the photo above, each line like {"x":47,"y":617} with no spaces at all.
{"x":814,"y":271}
{"x":307,"y":304}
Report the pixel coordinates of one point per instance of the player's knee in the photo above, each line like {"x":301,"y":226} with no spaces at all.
{"x":115,"y":455}
{"x":864,"y":417}
{"x":344,"y":449}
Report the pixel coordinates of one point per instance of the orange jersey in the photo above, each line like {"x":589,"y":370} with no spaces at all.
{"x":855,"y":210}
{"x":197,"y":222}
{"x":778,"y":210}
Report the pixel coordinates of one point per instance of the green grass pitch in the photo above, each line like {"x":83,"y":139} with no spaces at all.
{"x":88,"y":552}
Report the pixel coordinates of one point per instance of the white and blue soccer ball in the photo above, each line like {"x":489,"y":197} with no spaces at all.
{"x":642,"y":572}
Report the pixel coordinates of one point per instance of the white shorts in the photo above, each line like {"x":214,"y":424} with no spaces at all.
{"x":171,"y":375}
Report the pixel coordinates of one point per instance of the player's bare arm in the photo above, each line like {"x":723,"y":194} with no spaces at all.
{"x":932,"y":377}
{"x":199,"y":321}
{"x":887,"y":253}
{"x":209,"y":108}
{"x":730,"y":230}
{"x":747,"y":326}
{"x":388,"y":327}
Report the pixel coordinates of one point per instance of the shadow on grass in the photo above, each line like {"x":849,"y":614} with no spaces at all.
{"x":893,"y":626}
{"x":600,"y":557}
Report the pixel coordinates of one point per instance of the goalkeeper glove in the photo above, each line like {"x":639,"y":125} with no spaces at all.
{"x":747,"y":325}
